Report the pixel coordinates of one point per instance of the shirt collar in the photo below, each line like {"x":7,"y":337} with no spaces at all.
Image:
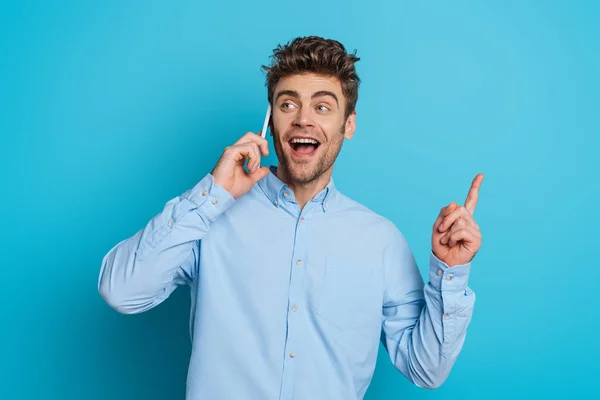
{"x":275,"y":190}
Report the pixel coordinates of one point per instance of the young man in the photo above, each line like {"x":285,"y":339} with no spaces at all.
{"x":293,"y":284}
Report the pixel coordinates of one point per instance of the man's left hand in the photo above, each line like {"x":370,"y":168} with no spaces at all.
{"x":456,"y":237}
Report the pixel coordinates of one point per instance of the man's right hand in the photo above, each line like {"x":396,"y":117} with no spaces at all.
{"x":229,"y":172}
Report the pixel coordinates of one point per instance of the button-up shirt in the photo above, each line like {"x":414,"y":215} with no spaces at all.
{"x":290,"y":303}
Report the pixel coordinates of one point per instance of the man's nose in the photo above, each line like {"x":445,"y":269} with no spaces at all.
{"x":304,"y":118}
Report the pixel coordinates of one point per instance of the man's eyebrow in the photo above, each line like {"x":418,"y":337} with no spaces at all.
{"x":322,"y":93}
{"x":291,"y":93}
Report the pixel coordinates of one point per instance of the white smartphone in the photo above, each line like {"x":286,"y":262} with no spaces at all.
{"x":263,"y":133}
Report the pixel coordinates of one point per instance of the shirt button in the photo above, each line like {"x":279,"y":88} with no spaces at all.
{"x":204,"y":192}
{"x":214,"y":201}
{"x":325,"y":205}
{"x":299,"y":262}
{"x":275,"y":203}
{"x":292,"y":355}
{"x":439,"y":272}
{"x":170,"y":224}
{"x":449,"y":277}
{"x":302,"y":219}
{"x":446,"y":316}
{"x":286,"y":194}
{"x":295,"y":308}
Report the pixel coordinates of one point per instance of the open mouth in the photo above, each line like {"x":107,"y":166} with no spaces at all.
{"x":304,"y":146}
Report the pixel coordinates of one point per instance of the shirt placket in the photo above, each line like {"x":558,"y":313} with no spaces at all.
{"x":293,"y":352}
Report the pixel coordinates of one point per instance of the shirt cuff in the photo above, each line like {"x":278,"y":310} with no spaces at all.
{"x":210,"y":199}
{"x":448,"y":279}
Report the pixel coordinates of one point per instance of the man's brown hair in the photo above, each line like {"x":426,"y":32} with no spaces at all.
{"x":313,"y":54}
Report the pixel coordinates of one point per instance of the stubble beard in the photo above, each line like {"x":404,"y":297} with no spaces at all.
{"x":306,"y":171}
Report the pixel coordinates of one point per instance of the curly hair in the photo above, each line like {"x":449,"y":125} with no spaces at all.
{"x":313,"y":54}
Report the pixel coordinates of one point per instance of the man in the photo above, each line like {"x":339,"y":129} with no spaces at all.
{"x":294,"y":284}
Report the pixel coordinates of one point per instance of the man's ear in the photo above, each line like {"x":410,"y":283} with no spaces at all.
{"x":350,"y":125}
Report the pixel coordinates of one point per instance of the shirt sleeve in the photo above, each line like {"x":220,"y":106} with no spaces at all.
{"x":140,"y":272}
{"x":424,"y":326}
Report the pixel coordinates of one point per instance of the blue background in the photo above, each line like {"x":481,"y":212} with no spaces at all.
{"x":109,"y":109}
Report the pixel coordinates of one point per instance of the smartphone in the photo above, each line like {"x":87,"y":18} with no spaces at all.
{"x":263,"y":133}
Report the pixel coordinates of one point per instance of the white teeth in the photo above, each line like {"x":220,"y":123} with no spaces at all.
{"x":311,"y":141}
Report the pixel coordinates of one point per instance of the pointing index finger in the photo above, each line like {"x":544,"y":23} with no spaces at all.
{"x":473,"y":195}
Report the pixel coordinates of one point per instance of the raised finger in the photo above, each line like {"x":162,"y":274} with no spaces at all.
{"x":473,"y":195}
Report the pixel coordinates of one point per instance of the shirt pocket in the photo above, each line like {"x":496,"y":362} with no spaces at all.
{"x":349,"y":296}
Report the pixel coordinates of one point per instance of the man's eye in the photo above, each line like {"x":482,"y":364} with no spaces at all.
{"x":322,"y":108}
{"x":287,"y":106}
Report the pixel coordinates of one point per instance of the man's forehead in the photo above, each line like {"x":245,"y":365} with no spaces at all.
{"x":307,"y":84}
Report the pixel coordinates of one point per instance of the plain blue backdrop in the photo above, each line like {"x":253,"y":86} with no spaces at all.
{"x":109,"y":109}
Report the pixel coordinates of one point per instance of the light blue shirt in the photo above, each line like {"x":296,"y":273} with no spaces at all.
{"x":289,"y":303}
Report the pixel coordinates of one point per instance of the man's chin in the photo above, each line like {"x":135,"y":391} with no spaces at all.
{"x":298,"y":164}
{"x":300,"y":173}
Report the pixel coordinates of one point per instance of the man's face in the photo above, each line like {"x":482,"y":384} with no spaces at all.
{"x":308,"y":125}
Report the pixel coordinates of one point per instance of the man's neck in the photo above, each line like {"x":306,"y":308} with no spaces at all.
{"x":305,"y":192}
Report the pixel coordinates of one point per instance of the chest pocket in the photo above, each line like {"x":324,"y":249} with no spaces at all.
{"x":349,"y":296}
